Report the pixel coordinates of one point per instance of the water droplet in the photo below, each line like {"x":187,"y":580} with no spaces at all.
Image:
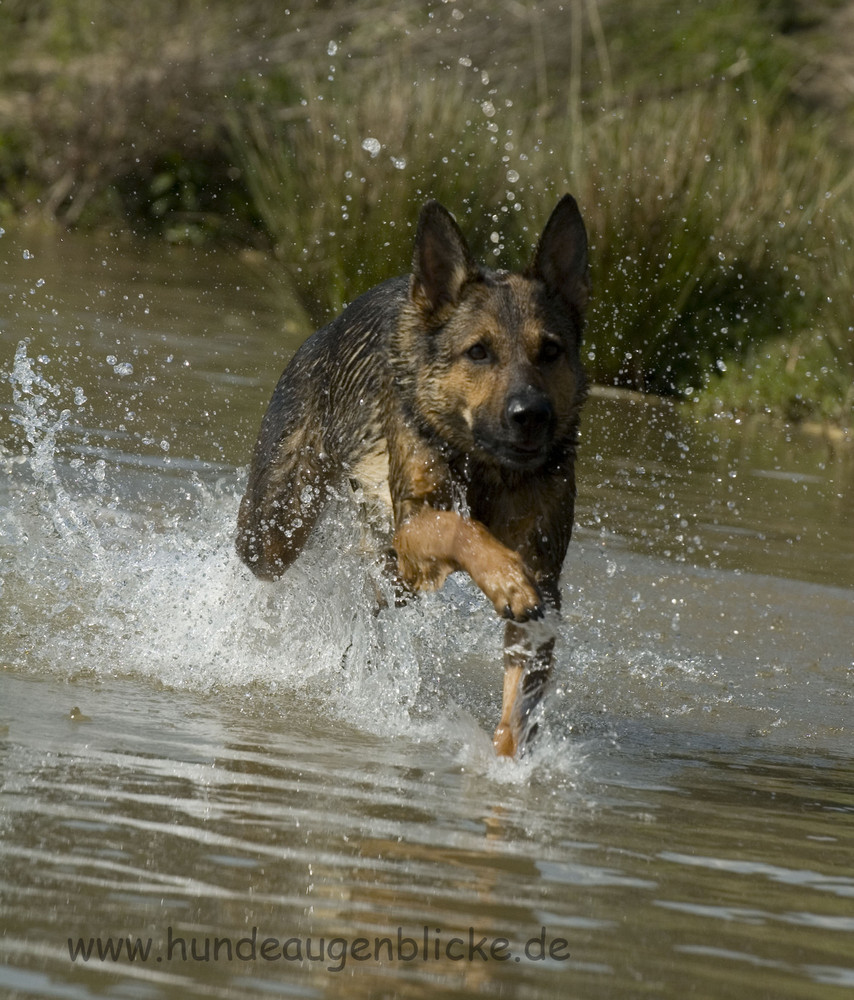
{"x":332,"y":48}
{"x":512,"y":176}
{"x":399,"y":162}
{"x":372,"y":146}
{"x":488,"y":108}
{"x":27,"y":255}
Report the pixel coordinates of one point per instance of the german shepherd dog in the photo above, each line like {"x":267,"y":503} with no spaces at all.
{"x":453,"y":394}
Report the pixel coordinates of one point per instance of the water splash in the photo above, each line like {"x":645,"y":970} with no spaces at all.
{"x":104,"y":578}
{"x":41,"y":424}
{"x":112,"y":566}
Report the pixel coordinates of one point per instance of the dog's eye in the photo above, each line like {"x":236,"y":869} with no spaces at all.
{"x":477,"y":352}
{"x":551,"y":350}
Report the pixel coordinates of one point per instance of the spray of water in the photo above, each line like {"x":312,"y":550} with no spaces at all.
{"x":31,"y":393}
{"x":104,"y":579}
{"x":115,"y":567}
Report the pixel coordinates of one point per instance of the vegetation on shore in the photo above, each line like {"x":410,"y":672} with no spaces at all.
{"x":708,"y":148}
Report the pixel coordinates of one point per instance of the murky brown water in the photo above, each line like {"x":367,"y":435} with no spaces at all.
{"x":270,"y":792}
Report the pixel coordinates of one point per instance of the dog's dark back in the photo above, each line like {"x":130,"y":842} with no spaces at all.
{"x":334,"y":379}
{"x":325,"y":415}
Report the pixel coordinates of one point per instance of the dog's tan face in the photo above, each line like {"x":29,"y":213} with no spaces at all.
{"x":502,"y":380}
{"x":492,"y":359}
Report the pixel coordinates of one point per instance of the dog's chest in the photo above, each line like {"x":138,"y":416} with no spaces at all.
{"x":371,"y":472}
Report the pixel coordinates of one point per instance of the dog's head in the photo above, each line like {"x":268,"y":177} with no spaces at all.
{"x":489,"y":361}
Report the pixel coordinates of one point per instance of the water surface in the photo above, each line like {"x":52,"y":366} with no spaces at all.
{"x":272,"y":792}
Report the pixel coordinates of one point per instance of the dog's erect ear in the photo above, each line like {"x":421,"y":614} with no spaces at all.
{"x":442,"y":263}
{"x":560,"y":260}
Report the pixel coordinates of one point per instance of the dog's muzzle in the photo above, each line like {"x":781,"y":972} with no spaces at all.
{"x":527,"y":429}
{"x":529,"y":417}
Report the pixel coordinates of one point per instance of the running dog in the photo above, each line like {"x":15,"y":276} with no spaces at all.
{"x":453,"y":395}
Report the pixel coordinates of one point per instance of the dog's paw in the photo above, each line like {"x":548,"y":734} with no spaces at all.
{"x":513,"y":593}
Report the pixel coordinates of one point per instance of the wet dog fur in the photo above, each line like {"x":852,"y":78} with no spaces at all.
{"x":452,"y":395}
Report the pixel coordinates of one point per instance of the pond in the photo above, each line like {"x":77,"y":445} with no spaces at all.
{"x":215,"y":787}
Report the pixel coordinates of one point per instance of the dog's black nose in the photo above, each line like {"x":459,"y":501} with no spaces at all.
{"x":529,"y":413}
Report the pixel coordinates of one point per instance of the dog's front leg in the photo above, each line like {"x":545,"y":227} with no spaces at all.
{"x":527,"y":666}
{"x":431,"y":544}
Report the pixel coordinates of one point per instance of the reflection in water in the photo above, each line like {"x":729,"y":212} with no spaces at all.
{"x":188,"y":754}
